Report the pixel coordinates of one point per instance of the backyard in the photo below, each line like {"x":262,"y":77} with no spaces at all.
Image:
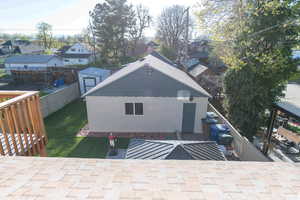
{"x":62,"y":127}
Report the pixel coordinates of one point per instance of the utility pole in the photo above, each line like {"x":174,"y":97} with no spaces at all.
{"x":94,"y":37}
{"x":186,"y":49}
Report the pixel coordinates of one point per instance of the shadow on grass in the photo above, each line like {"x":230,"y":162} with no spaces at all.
{"x":62,"y":127}
{"x":96,"y":147}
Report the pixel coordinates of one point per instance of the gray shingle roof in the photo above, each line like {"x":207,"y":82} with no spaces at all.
{"x":75,"y":55}
{"x":156,"y":64}
{"x":173,"y":150}
{"x":28,"y":59}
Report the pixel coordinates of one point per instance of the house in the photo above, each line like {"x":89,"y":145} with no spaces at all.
{"x":90,"y":77}
{"x":21,"y":47}
{"x":152,"y":46}
{"x":147,"y":96}
{"x":31,"y":62}
{"x":77,"y":54}
{"x":173,"y":150}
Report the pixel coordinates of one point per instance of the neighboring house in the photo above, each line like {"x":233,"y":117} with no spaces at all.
{"x":31,"y":49}
{"x":147,"y":96}
{"x":77,"y":54}
{"x":21,"y":47}
{"x":173,"y":150}
{"x":31,"y":62}
{"x":90,"y":77}
{"x":152,"y":46}
{"x":199,"y":50}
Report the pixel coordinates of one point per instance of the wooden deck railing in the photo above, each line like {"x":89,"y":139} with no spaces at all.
{"x":22,"y":130}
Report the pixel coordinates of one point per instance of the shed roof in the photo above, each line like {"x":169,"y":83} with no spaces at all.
{"x":94,"y":71}
{"x":173,"y":150}
{"x":29,"y":59}
{"x":197,"y":70}
{"x":157,"y":64}
{"x":75,"y":178}
{"x":291,"y":101}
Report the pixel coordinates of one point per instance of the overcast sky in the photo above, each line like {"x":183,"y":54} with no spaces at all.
{"x":66,"y":16}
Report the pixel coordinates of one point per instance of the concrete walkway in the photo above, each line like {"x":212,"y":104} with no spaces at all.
{"x":121,"y":154}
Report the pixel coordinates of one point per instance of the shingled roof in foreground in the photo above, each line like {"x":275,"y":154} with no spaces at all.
{"x":72,"y":178}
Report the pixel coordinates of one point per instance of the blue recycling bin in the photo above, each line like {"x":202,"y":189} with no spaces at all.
{"x":55,"y":83}
{"x":61,"y":82}
{"x":216,"y":130}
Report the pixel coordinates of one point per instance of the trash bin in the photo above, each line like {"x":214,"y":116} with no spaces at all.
{"x":211,"y":118}
{"x":218,"y":129}
{"x":225,"y":139}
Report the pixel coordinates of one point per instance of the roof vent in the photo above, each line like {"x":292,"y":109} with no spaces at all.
{"x":149,"y":69}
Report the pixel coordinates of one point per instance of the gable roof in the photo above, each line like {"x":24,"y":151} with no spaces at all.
{"x":163,"y":58}
{"x":64,"y":48}
{"x":95,"y":71}
{"x":173,"y":150}
{"x":165,"y":71}
{"x":29,"y":59}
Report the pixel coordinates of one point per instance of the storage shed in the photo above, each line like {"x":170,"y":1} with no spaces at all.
{"x":90,"y":77}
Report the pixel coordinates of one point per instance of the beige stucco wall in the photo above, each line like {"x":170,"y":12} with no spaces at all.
{"x":107,"y":114}
{"x":55,"y":101}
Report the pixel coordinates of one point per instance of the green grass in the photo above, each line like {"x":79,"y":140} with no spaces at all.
{"x":62,"y":127}
{"x":43,"y":93}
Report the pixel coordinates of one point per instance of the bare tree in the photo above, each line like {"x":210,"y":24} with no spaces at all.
{"x":141,"y":23}
{"x":45,"y":34}
{"x":172,"y":25}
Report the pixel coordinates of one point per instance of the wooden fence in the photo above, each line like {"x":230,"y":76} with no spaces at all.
{"x":22,"y":130}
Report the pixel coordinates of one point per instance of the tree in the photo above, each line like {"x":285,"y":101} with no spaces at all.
{"x":45,"y":34}
{"x":111,"y":22}
{"x":259,"y":56}
{"x":171,"y":29}
{"x":142,"y":21}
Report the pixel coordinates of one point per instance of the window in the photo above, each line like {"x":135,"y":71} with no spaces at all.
{"x":73,"y":49}
{"x":66,"y":60}
{"x":134,"y":109}
{"x":79,"y":60}
{"x":138,"y":109}
{"x":25,"y":66}
{"x":129,"y":108}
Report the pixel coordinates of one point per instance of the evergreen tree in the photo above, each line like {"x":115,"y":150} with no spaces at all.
{"x":111,"y":22}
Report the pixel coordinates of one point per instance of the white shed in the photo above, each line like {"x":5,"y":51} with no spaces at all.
{"x":90,"y":77}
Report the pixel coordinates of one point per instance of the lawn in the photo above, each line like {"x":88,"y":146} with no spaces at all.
{"x":62,"y":127}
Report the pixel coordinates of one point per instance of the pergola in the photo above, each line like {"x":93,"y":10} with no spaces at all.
{"x":290,"y":105}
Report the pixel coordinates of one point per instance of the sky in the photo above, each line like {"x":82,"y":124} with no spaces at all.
{"x":66,"y":16}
